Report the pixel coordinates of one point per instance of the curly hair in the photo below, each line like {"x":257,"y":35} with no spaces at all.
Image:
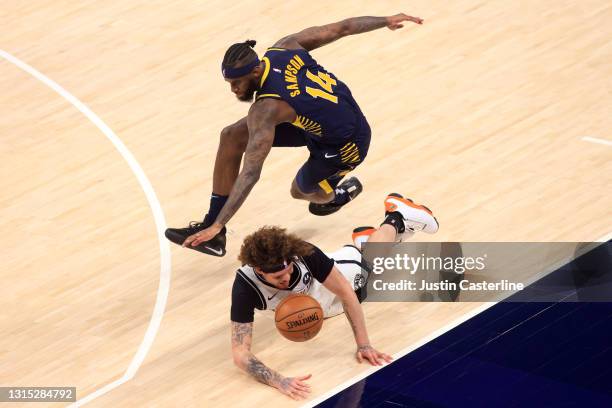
{"x":271,"y":245}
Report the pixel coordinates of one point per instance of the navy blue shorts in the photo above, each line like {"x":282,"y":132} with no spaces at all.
{"x":328,"y":162}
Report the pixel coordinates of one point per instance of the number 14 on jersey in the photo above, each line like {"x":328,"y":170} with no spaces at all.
{"x":326,"y":82}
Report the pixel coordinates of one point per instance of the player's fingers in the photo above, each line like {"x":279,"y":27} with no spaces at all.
{"x":302,"y":390}
{"x":304,"y":377}
{"x":297,"y":382}
{"x":302,"y":393}
{"x":298,"y":393}
{"x":199,"y":238}
{"x":188,"y":240}
{"x":302,"y":385}
{"x":359,"y":357}
{"x":380,"y":356}
{"x":290,"y":392}
{"x":387,"y":357}
{"x":375,"y":360}
{"x":367,"y":357}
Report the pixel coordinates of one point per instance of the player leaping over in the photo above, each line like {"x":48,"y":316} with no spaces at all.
{"x":297,"y":103}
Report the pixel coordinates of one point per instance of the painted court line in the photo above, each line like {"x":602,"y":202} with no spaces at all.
{"x":596,"y":140}
{"x":432,"y":336}
{"x":160,"y":224}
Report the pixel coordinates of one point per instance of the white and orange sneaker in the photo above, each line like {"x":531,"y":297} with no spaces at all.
{"x":361,"y":235}
{"x":416,"y":217}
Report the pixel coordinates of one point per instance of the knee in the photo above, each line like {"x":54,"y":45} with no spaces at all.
{"x":228,"y":136}
{"x":234,"y":138}
{"x":295,"y":191}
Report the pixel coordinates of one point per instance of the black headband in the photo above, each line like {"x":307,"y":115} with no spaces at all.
{"x":232,"y":73}
{"x":274,"y":268}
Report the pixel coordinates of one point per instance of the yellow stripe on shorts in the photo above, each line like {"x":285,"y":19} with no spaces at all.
{"x":325,"y":186}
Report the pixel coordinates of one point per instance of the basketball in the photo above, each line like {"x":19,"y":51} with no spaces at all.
{"x":299,"y":317}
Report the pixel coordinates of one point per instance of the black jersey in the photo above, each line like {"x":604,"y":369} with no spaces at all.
{"x":324,"y":105}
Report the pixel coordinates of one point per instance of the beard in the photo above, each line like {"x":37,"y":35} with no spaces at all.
{"x":249,"y":94}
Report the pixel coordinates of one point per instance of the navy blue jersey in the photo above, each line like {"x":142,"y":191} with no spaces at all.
{"x":324,"y":105}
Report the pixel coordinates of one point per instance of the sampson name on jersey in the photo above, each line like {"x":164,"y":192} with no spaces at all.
{"x":251,"y":292}
{"x":324,"y":105}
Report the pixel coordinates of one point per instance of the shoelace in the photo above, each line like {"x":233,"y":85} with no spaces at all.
{"x":194,"y":225}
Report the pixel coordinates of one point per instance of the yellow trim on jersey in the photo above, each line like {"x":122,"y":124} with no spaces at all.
{"x":267,"y":96}
{"x":276,"y":49}
{"x":346,"y":146}
{"x":297,"y":122}
{"x":308,"y":125}
{"x":324,"y":184}
{"x":266,"y":71}
{"x":351,"y":159}
{"x":349,"y":153}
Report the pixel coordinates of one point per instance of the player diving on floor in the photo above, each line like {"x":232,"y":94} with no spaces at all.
{"x":276,"y":264}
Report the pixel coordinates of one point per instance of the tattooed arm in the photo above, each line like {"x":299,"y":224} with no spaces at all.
{"x":315,"y":37}
{"x":242,"y":334}
{"x":294,"y":387}
{"x":262,"y":119}
{"x":261,"y":122}
{"x":338,"y":285}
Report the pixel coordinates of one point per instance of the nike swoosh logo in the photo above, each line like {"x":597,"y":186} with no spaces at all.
{"x":216,"y":251}
{"x":329,"y":157}
{"x":276,"y":70}
{"x":270,"y":297}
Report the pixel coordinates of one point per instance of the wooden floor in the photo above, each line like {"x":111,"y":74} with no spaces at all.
{"x":479,"y":113}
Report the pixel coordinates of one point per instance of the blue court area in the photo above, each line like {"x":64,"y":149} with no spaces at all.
{"x":514,"y":354}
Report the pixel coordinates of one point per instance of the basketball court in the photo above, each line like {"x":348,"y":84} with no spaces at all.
{"x":496,"y":115}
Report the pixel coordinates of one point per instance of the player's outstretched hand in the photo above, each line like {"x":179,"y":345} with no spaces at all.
{"x":376,"y":358}
{"x":295,"y":387}
{"x":395,"y":22}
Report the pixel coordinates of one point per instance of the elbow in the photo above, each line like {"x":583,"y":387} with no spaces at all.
{"x":345,"y":28}
{"x":347,"y":295}
{"x":238,"y":358}
{"x":233,"y":140}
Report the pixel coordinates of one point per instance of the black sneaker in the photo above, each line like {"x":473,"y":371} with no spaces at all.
{"x":352,"y":186}
{"x":214,"y":247}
